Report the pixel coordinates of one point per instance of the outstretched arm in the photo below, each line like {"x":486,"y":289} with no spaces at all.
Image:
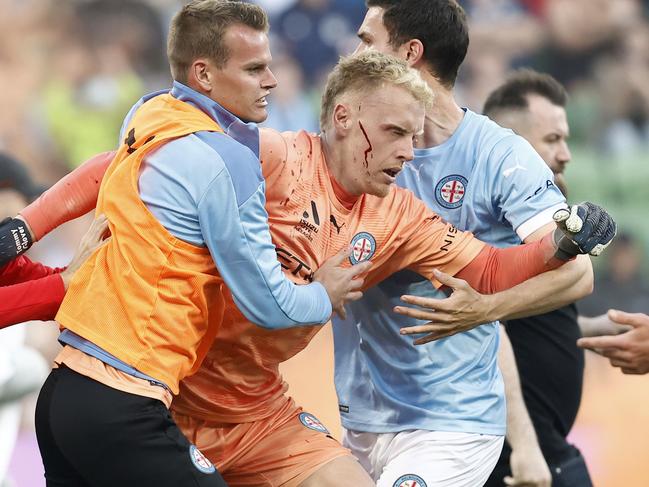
{"x":74,"y":195}
{"x":539,"y":294}
{"x":630,"y":350}
{"x":37,"y":299}
{"x":503,"y":269}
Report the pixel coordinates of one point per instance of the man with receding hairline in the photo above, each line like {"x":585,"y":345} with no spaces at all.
{"x":549,"y":363}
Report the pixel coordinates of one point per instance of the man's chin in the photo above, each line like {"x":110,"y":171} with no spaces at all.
{"x":256,"y":117}
{"x":380,"y":191}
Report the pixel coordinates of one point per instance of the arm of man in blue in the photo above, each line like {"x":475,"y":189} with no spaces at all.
{"x":207,"y":189}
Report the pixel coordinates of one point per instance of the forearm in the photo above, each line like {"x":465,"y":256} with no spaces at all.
{"x":250,"y":269}
{"x":520,"y":430}
{"x":544,"y":292}
{"x":495,"y":270}
{"x":23,"y":269}
{"x":39,"y":299}
{"x":71,"y":197}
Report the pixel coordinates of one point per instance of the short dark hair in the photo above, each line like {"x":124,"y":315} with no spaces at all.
{"x":198,"y":29}
{"x":440,"y":25}
{"x":513,"y":93}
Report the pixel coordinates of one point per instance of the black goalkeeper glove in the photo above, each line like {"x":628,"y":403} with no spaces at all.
{"x":583,"y":229}
{"x":15,"y":239}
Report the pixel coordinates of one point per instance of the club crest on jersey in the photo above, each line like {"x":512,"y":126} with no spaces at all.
{"x":313,"y":423}
{"x":409,"y":480}
{"x":200,"y":461}
{"x":363,"y":247}
{"x":450,"y":191}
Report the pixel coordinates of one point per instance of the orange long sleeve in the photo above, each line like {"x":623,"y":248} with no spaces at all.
{"x":495,"y":269}
{"x":72,"y":196}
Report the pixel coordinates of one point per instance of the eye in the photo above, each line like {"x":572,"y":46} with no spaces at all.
{"x":553,"y":139}
{"x":365,"y":39}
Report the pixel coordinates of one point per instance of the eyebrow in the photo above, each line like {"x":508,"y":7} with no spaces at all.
{"x":255,"y":65}
{"x":559,"y":134}
{"x":393,"y":126}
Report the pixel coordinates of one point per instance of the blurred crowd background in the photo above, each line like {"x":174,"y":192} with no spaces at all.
{"x":71,"y":69}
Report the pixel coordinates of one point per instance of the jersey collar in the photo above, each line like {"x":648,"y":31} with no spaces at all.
{"x":244,"y":133}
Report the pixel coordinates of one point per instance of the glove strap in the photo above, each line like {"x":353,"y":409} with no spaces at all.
{"x":15,"y":239}
{"x":566,"y":248}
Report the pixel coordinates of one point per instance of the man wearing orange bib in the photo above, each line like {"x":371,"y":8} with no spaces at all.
{"x":184,"y":196}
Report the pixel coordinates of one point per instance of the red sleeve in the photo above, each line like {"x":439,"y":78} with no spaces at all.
{"x":495,"y":270}
{"x":32,"y":300}
{"x":23,"y":269}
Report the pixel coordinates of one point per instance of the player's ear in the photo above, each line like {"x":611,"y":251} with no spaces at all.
{"x":341,"y":118}
{"x":199,"y":77}
{"x":412,"y":51}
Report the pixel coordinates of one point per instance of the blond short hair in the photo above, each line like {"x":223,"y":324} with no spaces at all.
{"x":197,"y":32}
{"x":367,"y":71}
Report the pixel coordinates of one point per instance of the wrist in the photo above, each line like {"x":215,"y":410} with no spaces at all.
{"x":493,"y":305}
{"x":15,"y":239}
{"x":527,"y":448}
{"x":527,"y":443}
{"x":27,"y":226}
{"x":66,"y":277}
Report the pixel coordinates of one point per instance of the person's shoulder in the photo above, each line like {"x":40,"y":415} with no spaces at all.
{"x":295,"y":140}
{"x":486,"y":132}
{"x":221,"y":144}
{"x":495,"y":143}
{"x":205,"y":156}
{"x":283,"y":147}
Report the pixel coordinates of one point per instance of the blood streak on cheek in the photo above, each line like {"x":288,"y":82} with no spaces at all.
{"x":369,"y":144}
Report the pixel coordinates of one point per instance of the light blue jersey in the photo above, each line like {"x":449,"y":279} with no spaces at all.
{"x":489,"y":181}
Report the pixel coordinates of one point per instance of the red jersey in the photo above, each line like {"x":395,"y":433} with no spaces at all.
{"x":30,"y":291}
{"x":311,"y":219}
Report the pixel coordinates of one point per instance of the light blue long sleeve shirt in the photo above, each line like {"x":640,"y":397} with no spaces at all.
{"x":207,"y":189}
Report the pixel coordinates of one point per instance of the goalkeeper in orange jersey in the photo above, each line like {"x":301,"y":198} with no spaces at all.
{"x":325,"y":193}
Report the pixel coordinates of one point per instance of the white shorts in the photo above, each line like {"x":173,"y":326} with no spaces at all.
{"x":425,"y":458}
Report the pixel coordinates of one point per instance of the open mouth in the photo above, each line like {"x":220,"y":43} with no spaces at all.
{"x":392,"y":172}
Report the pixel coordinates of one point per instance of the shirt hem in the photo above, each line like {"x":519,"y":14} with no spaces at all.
{"x":454,"y":427}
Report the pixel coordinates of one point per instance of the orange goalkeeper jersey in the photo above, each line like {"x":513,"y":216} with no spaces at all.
{"x":311,"y":219}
